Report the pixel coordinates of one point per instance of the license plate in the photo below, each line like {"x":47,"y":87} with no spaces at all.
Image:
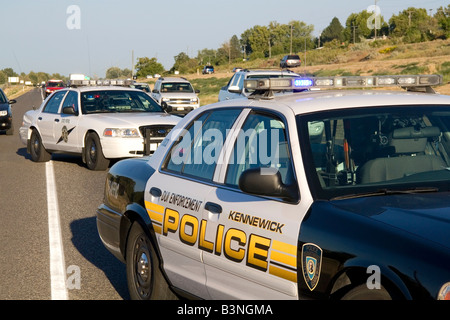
{"x":153,"y":146}
{"x":180,"y":108}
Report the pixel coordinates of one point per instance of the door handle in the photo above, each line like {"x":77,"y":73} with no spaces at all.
{"x":156,"y":192}
{"x":39,"y":118}
{"x":213,"y":207}
{"x":56,"y":120}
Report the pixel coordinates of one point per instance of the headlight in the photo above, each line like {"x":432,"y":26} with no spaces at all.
{"x":165,"y":99}
{"x":444,"y":293}
{"x":3,"y":113}
{"x":121,"y":133}
{"x":195,"y":100}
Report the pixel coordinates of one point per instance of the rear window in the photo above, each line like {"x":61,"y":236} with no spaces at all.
{"x":294,"y":57}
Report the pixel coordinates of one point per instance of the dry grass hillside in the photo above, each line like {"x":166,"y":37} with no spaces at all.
{"x":365,"y":59}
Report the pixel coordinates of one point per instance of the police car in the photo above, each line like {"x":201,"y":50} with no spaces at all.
{"x":242,"y":200}
{"x":235,"y":87}
{"x":99,"y":121}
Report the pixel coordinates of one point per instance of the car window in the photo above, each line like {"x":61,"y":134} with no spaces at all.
{"x":2,"y":97}
{"x":196,"y":154}
{"x":378,"y":148}
{"x":236,"y":79}
{"x":117,"y":101}
{"x":262,"y":143}
{"x":71,"y":100}
{"x":53,"y":104}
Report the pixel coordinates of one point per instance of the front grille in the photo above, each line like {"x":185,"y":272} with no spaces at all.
{"x":153,"y":135}
{"x":179,"y":101}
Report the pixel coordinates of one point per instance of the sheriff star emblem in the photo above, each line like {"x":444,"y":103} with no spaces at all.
{"x":64,"y":134}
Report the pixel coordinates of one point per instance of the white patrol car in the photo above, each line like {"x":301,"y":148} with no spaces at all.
{"x":177,"y":93}
{"x":97,"y":122}
{"x":242,"y":200}
{"x":235,"y":86}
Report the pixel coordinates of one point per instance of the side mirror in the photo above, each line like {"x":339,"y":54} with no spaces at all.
{"x":197,"y":91}
{"x":155,"y":91}
{"x":234,"y":89}
{"x":167,"y":108}
{"x":267,"y":182}
{"x":69,"y":110}
{"x":12,"y":101}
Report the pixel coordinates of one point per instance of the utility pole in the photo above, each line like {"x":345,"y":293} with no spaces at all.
{"x":132,"y":64}
{"x":290,"y":50}
{"x":354,"y":31}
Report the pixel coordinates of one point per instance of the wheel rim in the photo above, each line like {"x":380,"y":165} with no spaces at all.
{"x":35,"y":146}
{"x":92,"y":152}
{"x":143,"y":268}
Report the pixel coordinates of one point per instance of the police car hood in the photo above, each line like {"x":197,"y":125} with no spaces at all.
{"x":424,"y":215}
{"x":133,"y":119}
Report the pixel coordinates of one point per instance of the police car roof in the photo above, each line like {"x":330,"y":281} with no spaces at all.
{"x":323,"y":100}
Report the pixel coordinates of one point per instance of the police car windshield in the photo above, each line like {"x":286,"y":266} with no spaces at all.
{"x":391,"y":148}
{"x":112,"y":101}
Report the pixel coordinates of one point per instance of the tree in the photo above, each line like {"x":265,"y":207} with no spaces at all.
{"x":333,"y":32}
{"x":442,"y":17}
{"x":184,"y":64}
{"x":113,"y":73}
{"x":146,"y":66}
{"x":414,"y":25}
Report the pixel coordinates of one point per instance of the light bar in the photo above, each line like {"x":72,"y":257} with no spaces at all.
{"x":343,"y":82}
{"x":117,"y":82}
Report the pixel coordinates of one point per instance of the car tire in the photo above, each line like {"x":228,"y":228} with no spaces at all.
{"x":37,"y":150}
{"x":361,"y":292}
{"x":145,"y":280}
{"x":95,"y":160}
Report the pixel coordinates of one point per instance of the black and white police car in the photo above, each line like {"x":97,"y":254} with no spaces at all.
{"x":99,"y":121}
{"x":323,"y":194}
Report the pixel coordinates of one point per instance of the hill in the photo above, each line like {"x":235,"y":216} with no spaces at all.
{"x":368,"y":58}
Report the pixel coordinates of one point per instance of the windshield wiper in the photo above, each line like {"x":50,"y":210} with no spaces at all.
{"x":385,"y":192}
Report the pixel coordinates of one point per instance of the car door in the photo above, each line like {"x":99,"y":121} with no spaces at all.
{"x":48,"y":118}
{"x":175,"y":198}
{"x":66,"y":125}
{"x":255,"y":237}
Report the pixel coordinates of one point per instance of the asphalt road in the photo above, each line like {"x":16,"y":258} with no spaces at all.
{"x":92,"y":273}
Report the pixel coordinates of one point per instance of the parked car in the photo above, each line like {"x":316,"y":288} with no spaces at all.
{"x":176,"y":92}
{"x":99,"y":123}
{"x":52,"y":86}
{"x":290,"y":61}
{"x":239,"y":202}
{"x":6,"y":113}
{"x":208,"y":70}
{"x":235,"y":87}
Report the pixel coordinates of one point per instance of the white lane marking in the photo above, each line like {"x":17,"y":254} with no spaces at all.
{"x":57,"y":264}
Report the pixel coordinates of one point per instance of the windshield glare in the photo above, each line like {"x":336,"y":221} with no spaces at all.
{"x":104,"y":101}
{"x":353,"y":151}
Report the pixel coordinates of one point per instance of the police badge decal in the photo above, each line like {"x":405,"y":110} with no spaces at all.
{"x":311,"y":264}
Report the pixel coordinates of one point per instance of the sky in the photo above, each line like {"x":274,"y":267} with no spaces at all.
{"x":90,"y":36}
